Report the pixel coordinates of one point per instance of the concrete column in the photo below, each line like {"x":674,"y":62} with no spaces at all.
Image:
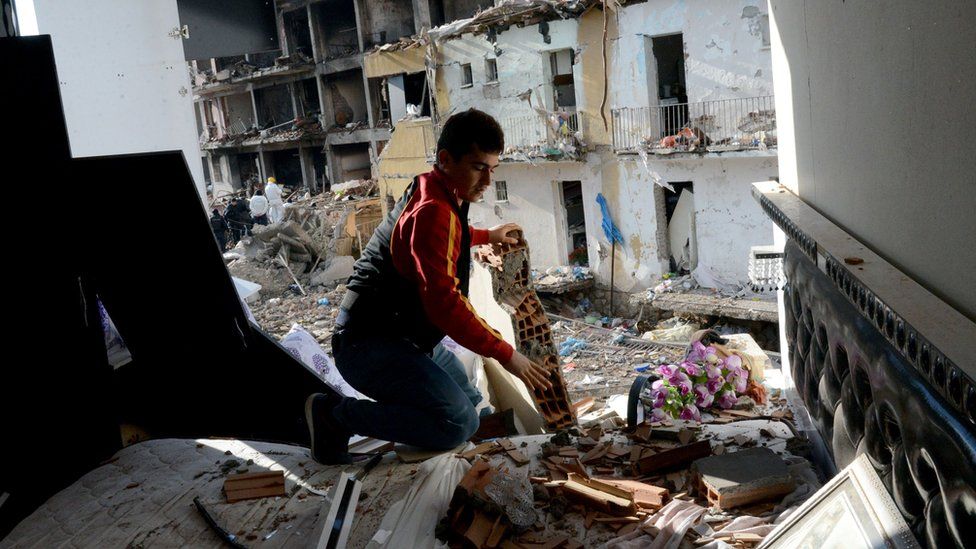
{"x":313,"y":30}
{"x":360,"y":7}
{"x":254,"y":107}
{"x":371,"y":116}
{"x":264,"y":165}
{"x":333,"y":160}
{"x":308,"y":168}
{"x":421,"y":15}
{"x":231,"y":170}
{"x":325,"y":102}
{"x":203,"y":117}
{"x":295,"y":103}
{"x":396,"y":92}
{"x":282,"y":35}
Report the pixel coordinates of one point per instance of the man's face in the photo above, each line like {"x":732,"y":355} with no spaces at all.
{"x":469,"y":175}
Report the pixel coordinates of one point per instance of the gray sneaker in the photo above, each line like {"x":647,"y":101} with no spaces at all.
{"x":329,"y":442}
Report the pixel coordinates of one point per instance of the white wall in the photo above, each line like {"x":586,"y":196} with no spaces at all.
{"x":532,"y":203}
{"x":124,"y":83}
{"x":724,"y":53}
{"x":877,"y":128}
{"x":523,"y":65}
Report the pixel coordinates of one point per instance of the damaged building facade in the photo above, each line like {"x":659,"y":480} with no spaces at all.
{"x":664,"y":108}
{"x":306,"y":113}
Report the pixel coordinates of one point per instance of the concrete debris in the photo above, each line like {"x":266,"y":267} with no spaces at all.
{"x":561,"y":280}
{"x":611,"y":487}
{"x":243,"y":71}
{"x":301,"y":128}
{"x":337,"y":269}
{"x":507,"y":12}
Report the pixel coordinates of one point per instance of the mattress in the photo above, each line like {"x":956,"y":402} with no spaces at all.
{"x":143,"y":497}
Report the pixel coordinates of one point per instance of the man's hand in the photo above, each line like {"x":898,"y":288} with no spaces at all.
{"x":533,"y":375}
{"x":499,"y":234}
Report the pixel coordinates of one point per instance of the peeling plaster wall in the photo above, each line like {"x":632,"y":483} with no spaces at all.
{"x":724,"y":53}
{"x":533,"y":203}
{"x":728,"y":220}
{"x":239,"y":108}
{"x":403,"y":157}
{"x":522,"y":65}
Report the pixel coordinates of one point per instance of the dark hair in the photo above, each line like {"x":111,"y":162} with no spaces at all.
{"x":259,"y":193}
{"x":471,"y":128}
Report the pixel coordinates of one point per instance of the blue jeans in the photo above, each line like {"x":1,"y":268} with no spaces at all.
{"x":421,"y":400}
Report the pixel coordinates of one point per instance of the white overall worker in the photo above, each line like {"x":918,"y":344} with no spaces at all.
{"x":276,"y":207}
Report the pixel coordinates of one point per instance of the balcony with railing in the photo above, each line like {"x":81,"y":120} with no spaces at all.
{"x":705,"y":127}
{"x":554,"y":136}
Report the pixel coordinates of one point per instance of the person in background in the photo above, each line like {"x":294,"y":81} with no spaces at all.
{"x":238,"y":218}
{"x":219,"y":226}
{"x":276,"y":207}
{"x":259,"y":208}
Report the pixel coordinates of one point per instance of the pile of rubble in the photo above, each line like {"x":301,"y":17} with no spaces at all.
{"x":244,"y":70}
{"x":722,"y":483}
{"x":315,"y":312}
{"x":563,"y":279}
{"x":312,"y":249}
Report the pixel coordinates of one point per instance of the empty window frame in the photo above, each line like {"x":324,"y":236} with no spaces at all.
{"x":564,"y":88}
{"x":467,"y":80}
{"x":491,"y":70}
{"x":501,"y":191}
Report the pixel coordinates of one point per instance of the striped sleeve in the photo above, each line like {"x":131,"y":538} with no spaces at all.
{"x":436,"y":243}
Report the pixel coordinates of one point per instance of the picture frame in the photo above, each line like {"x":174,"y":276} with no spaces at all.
{"x":853,"y":510}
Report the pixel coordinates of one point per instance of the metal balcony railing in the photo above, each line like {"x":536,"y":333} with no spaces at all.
{"x":556,"y":134}
{"x":707,"y":126}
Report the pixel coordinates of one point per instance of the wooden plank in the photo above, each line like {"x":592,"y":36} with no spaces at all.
{"x":484,"y":448}
{"x":513,"y":452}
{"x":480,"y":528}
{"x":260,"y":479}
{"x":645,"y":496}
{"x":255,"y":493}
{"x":594,"y":496}
{"x":498,"y":530}
{"x":681,"y":456}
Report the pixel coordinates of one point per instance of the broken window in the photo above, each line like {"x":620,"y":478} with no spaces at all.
{"x":308,"y":97}
{"x":501,"y":191}
{"x":296,"y":28}
{"x":416,"y":92}
{"x":669,"y":66}
{"x":764,"y":28}
{"x":348,"y":92}
{"x":467,"y":80}
{"x":263,"y":60}
{"x":572,"y":198}
{"x":386,"y":21}
{"x":353,"y":161}
{"x":680,"y":214}
{"x":218,"y":172}
{"x":491,"y":70}
{"x":274,"y":106}
{"x":336,"y":24}
{"x":563,"y":86}
{"x":286,"y":167}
